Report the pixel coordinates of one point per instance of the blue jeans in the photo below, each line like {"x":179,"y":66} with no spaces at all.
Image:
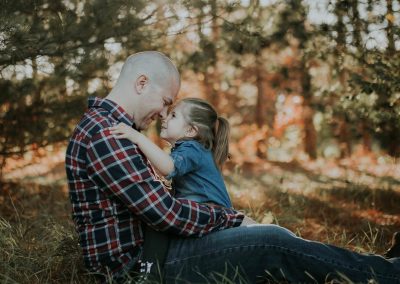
{"x":268,"y":252}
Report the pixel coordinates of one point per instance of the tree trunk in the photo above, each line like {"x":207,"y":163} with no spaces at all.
{"x":394,"y":147}
{"x":366,"y":137}
{"x":343,"y":132}
{"x":344,"y":138}
{"x":260,"y":108}
{"x":270,"y":100}
{"x":310,"y":134}
{"x":389,"y":29}
{"x":215,"y":78}
{"x":260,"y":92}
{"x":211,"y":74}
{"x":357,"y":27}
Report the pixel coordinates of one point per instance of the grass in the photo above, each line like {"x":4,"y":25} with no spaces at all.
{"x":38,"y":243}
{"x":354,"y":208}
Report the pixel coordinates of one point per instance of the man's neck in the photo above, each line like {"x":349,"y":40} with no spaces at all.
{"x":122,"y":100}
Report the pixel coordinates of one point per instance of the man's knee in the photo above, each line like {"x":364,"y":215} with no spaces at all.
{"x":268,"y":234}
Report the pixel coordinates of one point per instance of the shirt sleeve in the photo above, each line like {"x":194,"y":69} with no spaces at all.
{"x":186,"y":159}
{"x":120,"y":170}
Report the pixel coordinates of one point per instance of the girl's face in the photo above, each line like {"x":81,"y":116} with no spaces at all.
{"x":175,"y":127}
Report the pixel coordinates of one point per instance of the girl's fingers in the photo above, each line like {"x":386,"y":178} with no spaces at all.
{"x":117,"y":130}
{"x":120,"y":129}
{"x":118,"y":126}
{"x":114,"y":132}
{"x":120,"y":136}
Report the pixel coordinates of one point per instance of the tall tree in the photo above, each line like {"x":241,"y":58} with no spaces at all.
{"x":203,"y":58}
{"x":294,"y":19}
{"x":390,"y":28}
{"x":52,"y":55}
{"x":358,"y":28}
{"x":248,"y":39}
{"x":342,"y":131}
{"x":373,"y":83}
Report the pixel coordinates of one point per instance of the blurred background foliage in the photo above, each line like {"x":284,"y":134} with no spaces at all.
{"x":318,"y":77}
{"x":310,"y":88}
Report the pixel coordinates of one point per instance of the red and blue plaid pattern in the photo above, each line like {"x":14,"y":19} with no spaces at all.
{"x":113,"y":189}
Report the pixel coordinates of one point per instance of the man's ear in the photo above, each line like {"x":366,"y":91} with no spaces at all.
{"x":141,"y":83}
{"x":192,"y":131}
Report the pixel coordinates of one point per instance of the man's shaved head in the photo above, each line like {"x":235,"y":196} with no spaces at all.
{"x":156,"y":65}
{"x":148,"y":83}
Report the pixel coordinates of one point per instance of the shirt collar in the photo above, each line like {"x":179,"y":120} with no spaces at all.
{"x":182,"y":141}
{"x":115,"y":110}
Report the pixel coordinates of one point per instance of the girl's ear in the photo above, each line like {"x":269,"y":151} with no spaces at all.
{"x":192,"y":131}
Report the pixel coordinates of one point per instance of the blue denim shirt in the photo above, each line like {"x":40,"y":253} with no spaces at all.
{"x":196,"y":176}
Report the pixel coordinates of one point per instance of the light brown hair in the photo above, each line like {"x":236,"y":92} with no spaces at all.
{"x":212,"y":130}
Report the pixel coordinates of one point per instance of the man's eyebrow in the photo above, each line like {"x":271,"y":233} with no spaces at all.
{"x":168,"y":101}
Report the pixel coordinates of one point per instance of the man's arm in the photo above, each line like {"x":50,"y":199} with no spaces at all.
{"x":120,"y":170}
{"x":158,"y":158}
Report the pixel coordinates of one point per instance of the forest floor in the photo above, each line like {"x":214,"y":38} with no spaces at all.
{"x":352,"y":203}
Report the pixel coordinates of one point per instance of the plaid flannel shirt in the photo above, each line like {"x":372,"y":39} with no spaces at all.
{"x":113,"y":189}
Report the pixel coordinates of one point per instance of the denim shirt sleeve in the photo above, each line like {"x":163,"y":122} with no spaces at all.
{"x":186,"y":157}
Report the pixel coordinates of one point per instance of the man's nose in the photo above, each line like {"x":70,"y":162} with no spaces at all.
{"x":163,"y":114}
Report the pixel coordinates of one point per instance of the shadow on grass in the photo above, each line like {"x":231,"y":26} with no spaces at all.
{"x":384,"y":200}
{"x":366,"y":196}
{"x":329,"y":211}
{"x":38,"y":243}
{"x":296,"y":167}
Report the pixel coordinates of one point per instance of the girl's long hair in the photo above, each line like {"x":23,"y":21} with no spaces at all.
{"x":212,"y":130}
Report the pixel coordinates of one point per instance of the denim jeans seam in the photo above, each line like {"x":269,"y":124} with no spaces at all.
{"x":290,"y":251}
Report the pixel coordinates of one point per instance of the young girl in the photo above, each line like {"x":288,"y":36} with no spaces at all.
{"x":199,"y":140}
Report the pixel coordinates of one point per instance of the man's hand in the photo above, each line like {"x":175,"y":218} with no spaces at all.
{"x":122,"y":130}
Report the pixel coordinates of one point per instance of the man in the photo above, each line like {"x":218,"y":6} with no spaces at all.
{"x":113,"y":190}
{"x":115,"y":196}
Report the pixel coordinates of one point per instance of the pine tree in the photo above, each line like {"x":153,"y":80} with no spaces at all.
{"x":53,"y":54}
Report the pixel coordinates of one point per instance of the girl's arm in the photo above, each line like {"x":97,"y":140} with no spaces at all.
{"x":158,"y":158}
